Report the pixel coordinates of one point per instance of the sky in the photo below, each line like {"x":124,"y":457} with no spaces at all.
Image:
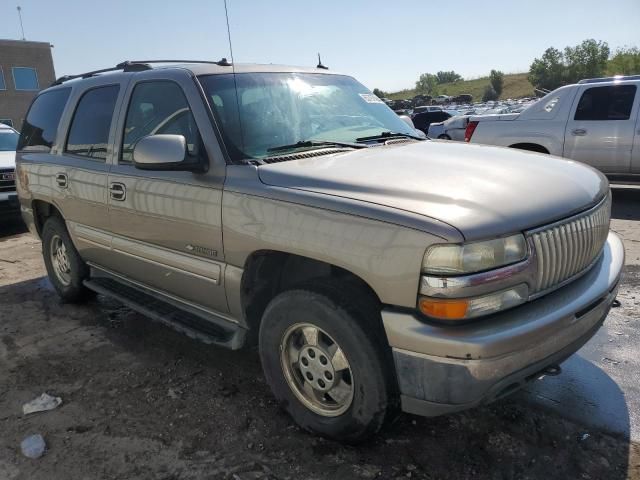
{"x":384,"y":44}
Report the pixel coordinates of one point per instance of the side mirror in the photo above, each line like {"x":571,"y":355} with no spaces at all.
{"x":164,"y":152}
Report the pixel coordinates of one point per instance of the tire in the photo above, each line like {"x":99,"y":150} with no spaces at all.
{"x":368,"y":377}
{"x":65,"y":268}
{"x":444,"y":136}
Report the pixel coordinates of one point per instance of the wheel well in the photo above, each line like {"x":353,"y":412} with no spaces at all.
{"x":268,"y":273}
{"x":532,"y":147}
{"x":41,"y":211}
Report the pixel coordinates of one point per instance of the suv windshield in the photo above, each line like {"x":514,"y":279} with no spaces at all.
{"x":282,"y":109}
{"x":8,"y":141}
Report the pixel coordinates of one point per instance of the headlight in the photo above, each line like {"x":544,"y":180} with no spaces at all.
{"x":474,"y":257}
{"x":465,"y":308}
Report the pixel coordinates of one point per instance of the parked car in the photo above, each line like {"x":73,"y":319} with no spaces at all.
{"x":291,"y":208}
{"x":423,"y":120}
{"x":442,"y":99}
{"x":9,"y":206}
{"x":426,"y":108}
{"x":463,"y":98}
{"x":451,"y":129}
{"x":593,"y":121}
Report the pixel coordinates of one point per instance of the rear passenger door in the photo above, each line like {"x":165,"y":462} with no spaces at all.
{"x":166,"y":225}
{"x":86,"y":148}
{"x":601,"y":126}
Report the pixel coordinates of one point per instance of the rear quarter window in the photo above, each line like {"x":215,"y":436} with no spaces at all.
{"x":41,"y":125}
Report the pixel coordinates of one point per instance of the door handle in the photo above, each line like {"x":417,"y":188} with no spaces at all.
{"x":62,"y":180}
{"x":117,"y":191}
{"x":579,"y":132}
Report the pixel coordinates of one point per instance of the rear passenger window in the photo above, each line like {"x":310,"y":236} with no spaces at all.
{"x":606,"y":103}
{"x":159,"y":107}
{"x":41,"y":125}
{"x":89,"y":131}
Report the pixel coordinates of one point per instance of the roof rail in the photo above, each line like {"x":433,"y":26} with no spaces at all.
{"x":617,"y":78}
{"x":134,"y":66}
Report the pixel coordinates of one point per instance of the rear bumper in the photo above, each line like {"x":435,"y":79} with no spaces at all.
{"x":443,"y":369}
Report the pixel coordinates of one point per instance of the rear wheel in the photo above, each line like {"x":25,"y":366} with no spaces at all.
{"x":324,"y":365}
{"x":65,"y":268}
{"x":444,"y":136}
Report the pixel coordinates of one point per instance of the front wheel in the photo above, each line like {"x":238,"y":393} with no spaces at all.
{"x":324,"y":366}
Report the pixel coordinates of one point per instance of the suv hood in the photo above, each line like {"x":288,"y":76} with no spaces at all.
{"x":482,"y":191}
{"x":7,"y":160}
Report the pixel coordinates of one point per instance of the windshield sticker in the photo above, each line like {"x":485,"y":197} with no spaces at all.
{"x":370,"y":98}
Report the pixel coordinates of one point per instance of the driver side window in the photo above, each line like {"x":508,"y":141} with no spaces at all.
{"x":158,"y":107}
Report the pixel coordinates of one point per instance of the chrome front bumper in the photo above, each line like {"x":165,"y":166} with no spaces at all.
{"x":441,"y":369}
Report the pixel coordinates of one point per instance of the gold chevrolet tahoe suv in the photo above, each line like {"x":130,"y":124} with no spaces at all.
{"x":290,"y":207}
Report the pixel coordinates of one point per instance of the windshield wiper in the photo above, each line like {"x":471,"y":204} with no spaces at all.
{"x":387,"y":136}
{"x":314,"y":143}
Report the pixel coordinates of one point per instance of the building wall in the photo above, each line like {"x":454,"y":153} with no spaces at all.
{"x":21,"y":53}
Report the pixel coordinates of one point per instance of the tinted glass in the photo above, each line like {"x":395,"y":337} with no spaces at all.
{"x":25,"y":78}
{"x":606,"y":103}
{"x":276,"y":109}
{"x":89,"y":132}
{"x":8,"y":141}
{"x":159,"y":108}
{"x":3,"y":85}
{"x":423,"y":120}
{"x":40,"y":127}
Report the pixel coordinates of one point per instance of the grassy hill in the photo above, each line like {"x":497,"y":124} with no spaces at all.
{"x":515,"y":85}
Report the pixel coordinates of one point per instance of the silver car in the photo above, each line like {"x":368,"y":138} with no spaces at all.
{"x":292,"y":209}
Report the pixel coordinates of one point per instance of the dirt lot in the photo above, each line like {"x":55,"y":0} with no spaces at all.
{"x":143,"y":402}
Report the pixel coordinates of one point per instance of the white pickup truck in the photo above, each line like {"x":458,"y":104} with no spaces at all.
{"x":594,"y":121}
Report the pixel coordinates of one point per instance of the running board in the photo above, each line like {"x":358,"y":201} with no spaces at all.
{"x":210,"y":329}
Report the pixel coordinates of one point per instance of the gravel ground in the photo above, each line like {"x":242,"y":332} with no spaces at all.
{"x":143,"y":402}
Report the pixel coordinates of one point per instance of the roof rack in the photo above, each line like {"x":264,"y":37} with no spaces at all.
{"x":135,"y":66}
{"x":610,"y":79}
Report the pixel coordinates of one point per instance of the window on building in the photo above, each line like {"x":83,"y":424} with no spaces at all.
{"x":606,"y":103}
{"x":89,"y":131}
{"x":3,"y":85}
{"x":156,"y":108}
{"x":25,"y":78}
{"x":41,"y":125}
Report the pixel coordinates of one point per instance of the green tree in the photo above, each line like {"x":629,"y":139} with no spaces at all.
{"x":489,"y":94}
{"x":379,"y":93}
{"x":547,"y":72}
{"x":448,"y":77}
{"x":626,"y":61}
{"x":496,"y":78}
{"x":587,"y":60}
{"x":427,"y":83}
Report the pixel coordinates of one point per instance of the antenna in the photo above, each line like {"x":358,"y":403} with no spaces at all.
{"x":320,"y":65}
{"x":19,"y":8}
{"x":233,"y":72}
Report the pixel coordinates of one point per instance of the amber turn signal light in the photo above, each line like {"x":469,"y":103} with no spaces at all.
{"x":444,"y":309}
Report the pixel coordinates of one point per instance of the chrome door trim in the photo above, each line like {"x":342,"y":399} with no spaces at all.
{"x":183,"y":263}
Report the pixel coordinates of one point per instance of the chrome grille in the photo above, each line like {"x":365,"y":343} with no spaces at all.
{"x":7,"y":180}
{"x":565,"y":249}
